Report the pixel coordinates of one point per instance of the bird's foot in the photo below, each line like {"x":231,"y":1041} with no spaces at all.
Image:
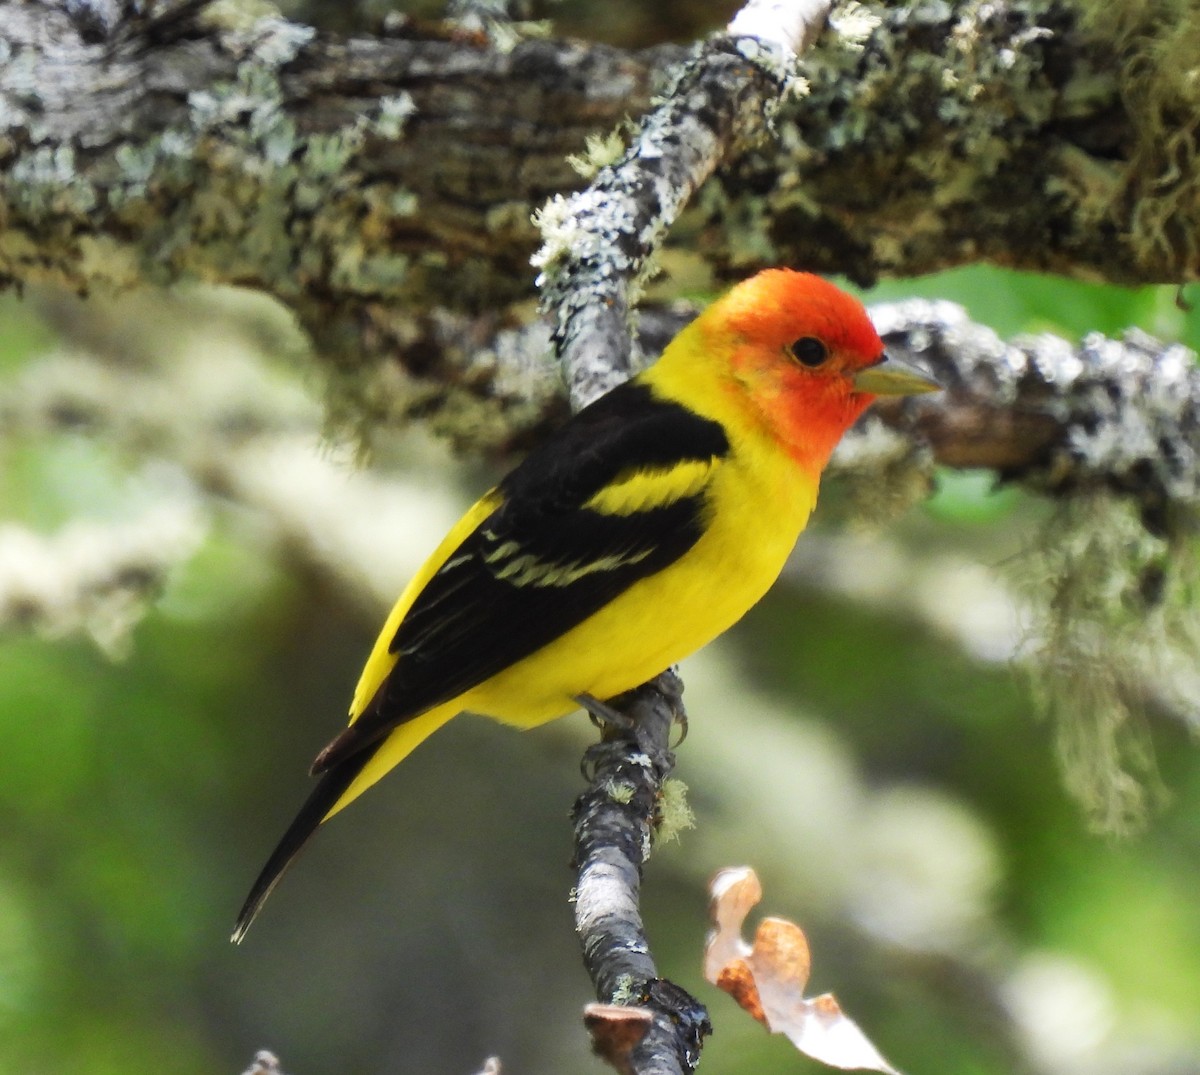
{"x":603,"y":715}
{"x":613,"y":725}
{"x":681,"y":720}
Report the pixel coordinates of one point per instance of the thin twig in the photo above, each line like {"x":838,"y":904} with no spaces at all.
{"x":615,"y":821}
{"x":599,"y":244}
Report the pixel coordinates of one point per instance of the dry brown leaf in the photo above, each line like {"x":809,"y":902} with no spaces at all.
{"x":616,"y":1031}
{"x":768,"y":978}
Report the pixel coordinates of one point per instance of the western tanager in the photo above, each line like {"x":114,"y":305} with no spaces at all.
{"x":641,"y":530}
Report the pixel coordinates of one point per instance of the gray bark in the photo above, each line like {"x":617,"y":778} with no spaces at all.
{"x":371,"y":182}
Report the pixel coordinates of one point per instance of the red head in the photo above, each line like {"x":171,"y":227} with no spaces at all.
{"x":801,"y":357}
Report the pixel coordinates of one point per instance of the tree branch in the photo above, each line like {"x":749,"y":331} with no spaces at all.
{"x":93,"y":577}
{"x":599,"y":245}
{"x":948,"y":134}
{"x":368,"y":181}
{"x":615,"y":822}
{"x":1117,"y":414}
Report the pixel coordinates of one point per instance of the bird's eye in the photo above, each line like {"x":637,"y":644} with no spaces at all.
{"x":809,"y":351}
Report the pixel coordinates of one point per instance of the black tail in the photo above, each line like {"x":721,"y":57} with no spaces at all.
{"x":333,"y":784}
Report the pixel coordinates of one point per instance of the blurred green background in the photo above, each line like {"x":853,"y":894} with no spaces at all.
{"x":862,"y":739}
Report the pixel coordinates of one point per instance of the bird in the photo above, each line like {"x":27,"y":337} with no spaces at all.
{"x":641,"y":529}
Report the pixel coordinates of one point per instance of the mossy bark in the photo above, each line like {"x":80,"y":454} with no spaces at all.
{"x":366,"y":181}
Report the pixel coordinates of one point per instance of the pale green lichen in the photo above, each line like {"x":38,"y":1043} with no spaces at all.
{"x":276,"y":41}
{"x":1158,"y":46}
{"x":853,"y":24}
{"x":506,"y":36}
{"x":251,"y":103}
{"x":236,"y":15}
{"x":393,"y":115}
{"x":878,"y":475}
{"x":626,"y":991}
{"x":136,"y":163}
{"x":600,"y":151}
{"x":44,"y":182}
{"x":326,"y":155}
{"x":260,"y":159}
{"x":674,"y":814}
{"x":561,"y":232}
{"x":619,"y":792}
{"x":498,"y":20}
{"x":241,"y":130}
{"x":105,"y":257}
{"x":1111,"y":609}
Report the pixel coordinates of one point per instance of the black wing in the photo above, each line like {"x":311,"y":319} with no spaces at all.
{"x":544,"y":560}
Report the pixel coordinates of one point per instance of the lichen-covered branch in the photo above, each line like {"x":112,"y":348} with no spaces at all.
{"x":1122,"y":415}
{"x":367,"y":181}
{"x":615,"y":823}
{"x":1030,"y":135}
{"x":91,"y":577}
{"x":1042,"y":411}
{"x":599,"y":246}
{"x":324,"y":170}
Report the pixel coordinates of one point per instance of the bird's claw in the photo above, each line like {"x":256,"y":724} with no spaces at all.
{"x":682,"y":720}
{"x":603,"y":715}
{"x":590,"y":761}
{"x":612,"y":724}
